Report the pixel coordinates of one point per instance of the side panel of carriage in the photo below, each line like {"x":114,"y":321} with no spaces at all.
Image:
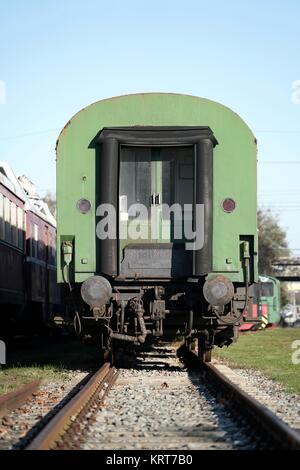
{"x":42,"y":287}
{"x":12,"y":236}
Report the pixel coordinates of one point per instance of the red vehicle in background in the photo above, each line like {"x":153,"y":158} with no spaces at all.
{"x":259,"y":312}
{"x":266,"y":304}
{"x":29,"y":294}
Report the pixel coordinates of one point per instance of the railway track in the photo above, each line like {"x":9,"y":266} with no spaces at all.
{"x":160,"y":401}
{"x":67,"y":425}
{"x":268,"y":428}
{"x":16,"y":398}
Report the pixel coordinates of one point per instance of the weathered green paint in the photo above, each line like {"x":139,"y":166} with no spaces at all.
{"x":234,"y":171}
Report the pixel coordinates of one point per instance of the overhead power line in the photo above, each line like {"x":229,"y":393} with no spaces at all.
{"x":279,"y":131}
{"x":285,"y":162}
{"x":27,"y":134}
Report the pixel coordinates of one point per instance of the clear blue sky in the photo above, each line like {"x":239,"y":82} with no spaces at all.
{"x":58,"y":56}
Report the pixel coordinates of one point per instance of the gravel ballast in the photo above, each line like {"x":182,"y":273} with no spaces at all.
{"x":284,"y":404}
{"x":18,"y":425}
{"x":161,"y":405}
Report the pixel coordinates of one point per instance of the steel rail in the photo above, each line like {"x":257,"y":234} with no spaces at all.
{"x":17,"y":398}
{"x":99,"y":384}
{"x":274,"y":431}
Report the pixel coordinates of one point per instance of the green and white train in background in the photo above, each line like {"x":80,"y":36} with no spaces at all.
{"x":269,"y":295}
{"x":266,"y":307}
{"x":157,"y":150}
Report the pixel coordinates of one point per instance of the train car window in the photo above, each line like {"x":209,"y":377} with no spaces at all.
{"x":50,"y":255}
{"x":31,"y":240}
{"x":13,"y":220}
{"x":177,"y":186}
{"x":53,"y":251}
{"x":34,"y":240}
{"x":135,"y":175}
{"x":185,"y":177}
{"x":20,"y":226}
{"x":41,"y":249}
{"x":2,"y":231}
{"x":7,"y":220}
{"x":50,"y":249}
{"x":267,"y":289}
{"x":167,"y":182}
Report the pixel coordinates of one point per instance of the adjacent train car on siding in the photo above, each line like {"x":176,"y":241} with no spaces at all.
{"x":268,"y":296}
{"x":12,"y":244}
{"x":157,"y":231}
{"x":266,"y":306}
{"x":29,"y":292}
{"x":43,"y":296}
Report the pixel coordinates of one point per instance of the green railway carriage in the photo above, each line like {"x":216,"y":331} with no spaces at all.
{"x":269,"y":294}
{"x":156,"y":207}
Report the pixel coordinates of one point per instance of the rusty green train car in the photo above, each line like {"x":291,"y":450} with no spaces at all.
{"x":156,"y":229}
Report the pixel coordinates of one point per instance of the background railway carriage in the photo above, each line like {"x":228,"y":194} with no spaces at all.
{"x":267,"y":296}
{"x":156,"y":149}
{"x":42,"y":288}
{"x":29,"y":293}
{"x":12,"y":244}
{"x":266,"y":304}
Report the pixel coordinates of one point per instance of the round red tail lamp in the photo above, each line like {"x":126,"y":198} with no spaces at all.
{"x":228,"y":205}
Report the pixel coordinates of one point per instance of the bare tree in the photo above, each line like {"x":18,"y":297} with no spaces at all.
{"x":272,"y":244}
{"x":50,"y":199}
